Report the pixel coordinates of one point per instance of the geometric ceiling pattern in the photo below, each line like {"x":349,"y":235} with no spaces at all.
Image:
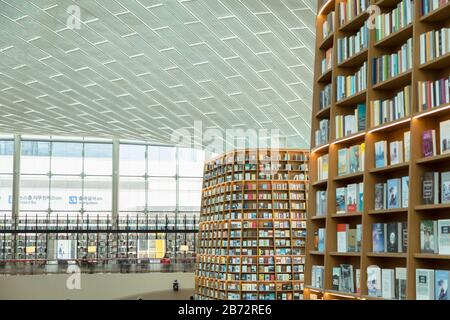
{"x":139,"y":69}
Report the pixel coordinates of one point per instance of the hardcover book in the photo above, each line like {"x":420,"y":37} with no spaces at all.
{"x":429,"y":143}
{"x":354,"y":159}
{"x":430,"y":188}
{"x":392,"y":237}
{"x":352,"y":196}
{"x":424,"y":284}
{"x":336,"y":278}
{"x":445,"y":187}
{"x":388,"y":283}
{"x":374,"y":281}
{"x":400,"y":283}
{"x":393,"y":188}
{"x":428,"y":236}
{"x":405,"y":192}
{"x":441,"y":284}
{"x":342,"y":230}
{"x":343,"y":162}
{"x":396,"y":152}
{"x":380,"y":154}
{"x":444,"y":236}
{"x":378,"y":237}
{"x":347,"y":281}
{"x":340,"y":199}
{"x":379,"y":196}
{"x":444,"y":132}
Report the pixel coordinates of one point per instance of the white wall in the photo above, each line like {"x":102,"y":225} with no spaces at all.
{"x":97,"y":286}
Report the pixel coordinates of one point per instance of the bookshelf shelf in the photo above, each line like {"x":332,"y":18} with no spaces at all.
{"x":431,"y":256}
{"x":420,"y":87}
{"x":390,"y":168}
{"x":345,"y":254}
{"x":253,"y":227}
{"x":396,"y":82}
{"x":318,"y":218}
{"x":437,"y":15}
{"x":327,"y":42}
{"x":387,"y":255}
{"x":326,"y":77}
{"x":342,"y":294}
{"x":355,"y":60}
{"x":346,"y":215}
{"x":325,"y":112}
{"x":395,"y":38}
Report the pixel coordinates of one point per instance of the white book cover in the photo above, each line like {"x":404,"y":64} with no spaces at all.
{"x":374,"y":281}
{"x":400,"y":283}
{"x":444,"y":236}
{"x":424,"y":284}
{"x":445,"y":187}
{"x":405,"y":192}
{"x":342,"y":239}
{"x":380,"y":154}
{"x":444,"y":127}
{"x":407,"y":145}
{"x":388,"y":283}
{"x":396,"y":152}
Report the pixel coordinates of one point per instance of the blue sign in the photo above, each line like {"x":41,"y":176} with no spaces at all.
{"x":73,"y":200}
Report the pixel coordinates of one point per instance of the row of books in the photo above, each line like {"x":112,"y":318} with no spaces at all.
{"x":325,"y":97}
{"x":435,"y":236}
{"x":427,"y":6}
{"x":386,"y":283}
{"x":347,"y":86}
{"x":384,"y":111}
{"x":430,"y":187}
{"x":327,"y":62}
{"x":348,"y":240}
{"x":343,"y":279}
{"x":328,"y":25}
{"x":349,"y":9}
{"x":390,"y":237}
{"x":322,"y":167}
{"x":393,"y":194}
{"x":434,"y":44}
{"x":429,"y":140}
{"x":322,"y":135}
{"x":352,"y":123}
{"x":399,"y":151}
{"x":317,"y":276}
{"x":432,"y":284}
{"x":321,"y":203}
{"x":350,"y":198}
{"x":433,"y":93}
{"x":351,"y":45}
{"x":351,"y":160}
{"x":398,"y":18}
{"x":391,"y":65}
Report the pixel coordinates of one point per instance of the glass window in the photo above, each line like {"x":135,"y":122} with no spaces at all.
{"x":6,"y":182}
{"x":132,"y":160}
{"x":98,"y":159}
{"x":190,"y":194}
{"x":35,"y":157}
{"x":67,"y":158}
{"x":162,"y":194}
{"x":191,"y":162}
{"x":162,"y":161}
{"x":6,"y":156}
{"x":132,"y":194}
{"x":97,"y":194}
{"x":34,"y":194}
{"x":66,"y":193}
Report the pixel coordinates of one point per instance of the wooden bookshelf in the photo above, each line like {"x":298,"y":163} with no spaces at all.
{"x":415,"y":122}
{"x":252,"y":232}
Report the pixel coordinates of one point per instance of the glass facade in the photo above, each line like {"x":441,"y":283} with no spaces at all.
{"x":70,"y":184}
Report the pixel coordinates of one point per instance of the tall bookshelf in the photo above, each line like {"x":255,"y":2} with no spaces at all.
{"x":417,"y":121}
{"x":251,"y":241}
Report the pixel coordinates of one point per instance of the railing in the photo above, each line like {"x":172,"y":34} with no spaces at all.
{"x":36,"y":267}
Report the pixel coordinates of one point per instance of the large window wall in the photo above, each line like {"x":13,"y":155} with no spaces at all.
{"x":70,"y":182}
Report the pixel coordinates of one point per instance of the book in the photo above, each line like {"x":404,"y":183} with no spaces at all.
{"x":407,"y":145}
{"x":393,"y":192}
{"x":444,"y":136}
{"x":351,"y":198}
{"x":380,"y":154}
{"x":378,"y":237}
{"x":429,"y":143}
{"x":343,"y":162}
{"x":354,"y":159}
{"x":405,"y":192}
{"x":396,"y":152}
{"x":341,"y":200}
{"x":342,"y":230}
{"x":445,"y":187}
{"x":321,"y":203}
{"x":388,"y":283}
{"x":403,"y":246}
{"x":374,"y":281}
{"x":428,"y":236}
{"x":360,"y":197}
{"x":441,"y":278}
{"x":400,"y":283}
{"x":444,"y":236}
{"x":358,"y":280}
{"x":392,"y":237}
{"x":424,"y":284}
{"x":430,"y":188}
{"x":321,"y":240}
{"x":361,"y":116}
{"x":358,"y":237}
{"x":347,"y":282}
{"x":351,"y":240}
{"x":380,"y":196}
{"x":336,"y":278}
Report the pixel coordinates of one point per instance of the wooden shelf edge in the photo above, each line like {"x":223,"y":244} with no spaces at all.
{"x":440,"y":206}
{"x":397,"y":81}
{"x":388,"y":211}
{"x":400,"y":255}
{"x":441,"y":157}
{"x":402,"y":165}
{"x":349,"y":176}
{"x":386,"y":41}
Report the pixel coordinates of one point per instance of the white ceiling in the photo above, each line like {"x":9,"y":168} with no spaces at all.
{"x":137,"y":69}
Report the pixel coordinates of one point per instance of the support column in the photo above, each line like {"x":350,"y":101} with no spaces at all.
{"x":115,"y":195}
{"x":16,"y":189}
